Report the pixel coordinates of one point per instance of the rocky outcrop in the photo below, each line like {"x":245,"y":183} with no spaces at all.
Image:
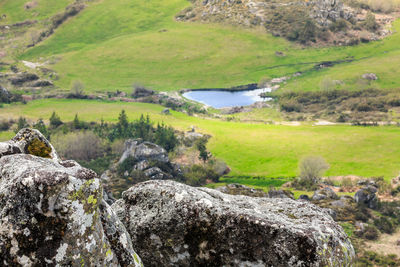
{"x":52,"y":212}
{"x":140,"y":151}
{"x":172,"y":224}
{"x":238,"y":189}
{"x":324,"y":193}
{"x":22,"y":78}
{"x":367,"y":196}
{"x":140,"y":161}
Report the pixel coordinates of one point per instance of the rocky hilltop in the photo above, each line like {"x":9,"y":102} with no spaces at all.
{"x":53,"y":214}
{"x":328,"y":22}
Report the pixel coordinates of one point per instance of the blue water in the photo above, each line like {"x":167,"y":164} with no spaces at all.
{"x":223,"y":99}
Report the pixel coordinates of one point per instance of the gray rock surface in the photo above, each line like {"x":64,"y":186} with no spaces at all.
{"x":274,"y":193}
{"x":52,"y":212}
{"x":140,"y":150}
{"x":370,"y":76}
{"x":172,"y":224}
{"x":239,"y":189}
{"x":366,"y":196}
{"x":324,"y":193}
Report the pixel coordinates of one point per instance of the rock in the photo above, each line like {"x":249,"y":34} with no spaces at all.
{"x":140,"y":150}
{"x":273,"y":193}
{"x":157,"y":173}
{"x":304,"y":197}
{"x":166,"y":111}
{"x":29,"y":141}
{"x":53,"y":213}
{"x":232,"y":110}
{"x":193,"y":136}
{"x":238,"y":189}
{"x":22,"y":78}
{"x":141,"y":91}
{"x":370,"y":76}
{"x":172,"y":224}
{"x":325,"y":193}
{"x":5,"y":95}
{"x":140,"y":162}
{"x":366,"y":196}
{"x":41,"y":83}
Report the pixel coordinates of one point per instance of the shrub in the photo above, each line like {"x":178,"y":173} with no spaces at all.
{"x":84,"y":146}
{"x":290,"y":105}
{"x":41,"y":127}
{"x":77,"y":90}
{"x":4,"y":125}
{"x":55,"y":120}
{"x":384,"y":225}
{"x":311,"y":168}
{"x":370,"y":233}
{"x":22,"y":123}
{"x":198,"y":175}
{"x":339,"y":25}
{"x":370,"y":22}
{"x":126,"y":165}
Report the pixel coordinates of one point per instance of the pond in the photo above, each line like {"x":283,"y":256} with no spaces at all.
{"x":224,"y":99}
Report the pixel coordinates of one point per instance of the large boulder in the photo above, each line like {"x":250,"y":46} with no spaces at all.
{"x":52,"y":212}
{"x":140,"y":150}
{"x":140,"y":161}
{"x":367,"y":196}
{"x":323,"y":194}
{"x":172,"y":224}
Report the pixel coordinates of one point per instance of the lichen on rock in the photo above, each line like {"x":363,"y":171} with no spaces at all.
{"x":172,"y":224}
{"x":53,"y":213}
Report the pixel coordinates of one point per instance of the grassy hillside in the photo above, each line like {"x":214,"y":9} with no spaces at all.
{"x":267,"y":150}
{"x":21,"y":10}
{"x":113,"y":44}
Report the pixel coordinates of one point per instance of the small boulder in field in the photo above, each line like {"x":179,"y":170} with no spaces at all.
{"x":370,"y":76}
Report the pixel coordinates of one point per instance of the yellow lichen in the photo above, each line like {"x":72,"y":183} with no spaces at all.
{"x":39,"y":148}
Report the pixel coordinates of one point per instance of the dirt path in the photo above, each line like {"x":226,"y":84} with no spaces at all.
{"x":386,"y":244}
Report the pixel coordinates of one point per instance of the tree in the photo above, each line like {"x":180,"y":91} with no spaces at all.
{"x":201,"y":147}
{"x":123,"y":125}
{"x":22,"y":123}
{"x":311,"y":169}
{"x":165,"y":136}
{"x":77,"y":88}
{"x":76,"y":124}
{"x":55,"y":120}
{"x":41,"y":127}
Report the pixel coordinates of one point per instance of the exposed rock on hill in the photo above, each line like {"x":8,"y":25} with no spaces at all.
{"x":367,"y":196}
{"x":52,"y":212}
{"x":172,"y":224}
{"x":140,"y":161}
{"x":322,"y":21}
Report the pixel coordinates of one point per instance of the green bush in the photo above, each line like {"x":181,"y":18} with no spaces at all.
{"x":198,"y":175}
{"x":370,"y":233}
{"x":384,"y":225}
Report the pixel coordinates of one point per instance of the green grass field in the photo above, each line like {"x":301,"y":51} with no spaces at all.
{"x":115,"y":43}
{"x":252,"y":149}
{"x":4,"y":136}
{"x":15,"y":10}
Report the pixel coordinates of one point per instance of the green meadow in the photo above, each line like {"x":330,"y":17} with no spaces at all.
{"x":251,"y":149}
{"x":114,"y":43}
{"x":17,"y":11}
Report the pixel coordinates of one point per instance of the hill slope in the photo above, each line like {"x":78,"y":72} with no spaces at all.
{"x":113,"y":44}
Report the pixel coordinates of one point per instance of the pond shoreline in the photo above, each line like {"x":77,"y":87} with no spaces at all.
{"x":246,"y":87}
